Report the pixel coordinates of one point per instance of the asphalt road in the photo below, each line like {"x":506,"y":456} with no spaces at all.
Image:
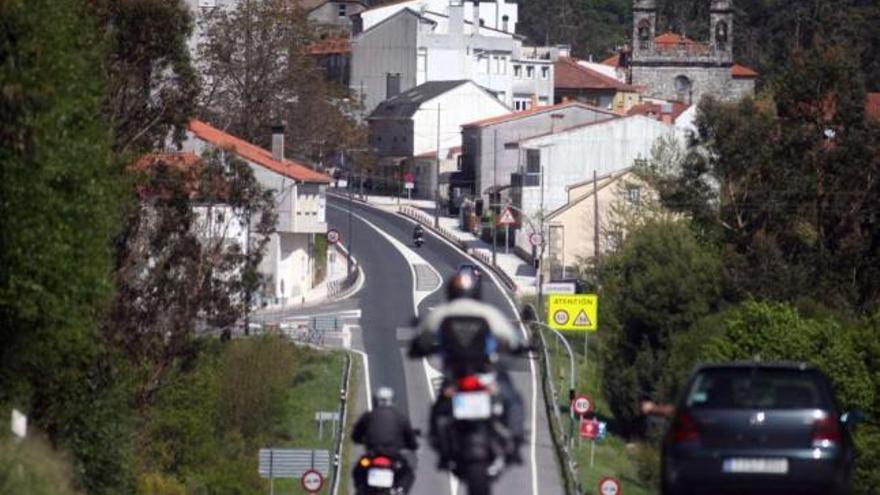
{"x":387,"y":309}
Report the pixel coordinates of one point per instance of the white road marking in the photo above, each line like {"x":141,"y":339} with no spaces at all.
{"x":367,"y":377}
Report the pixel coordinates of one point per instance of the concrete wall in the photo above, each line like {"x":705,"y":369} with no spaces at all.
{"x":389,"y":49}
{"x":478,"y":143}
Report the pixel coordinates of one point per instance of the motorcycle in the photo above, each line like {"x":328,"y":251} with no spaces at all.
{"x":379,"y":474}
{"x":419,"y":241}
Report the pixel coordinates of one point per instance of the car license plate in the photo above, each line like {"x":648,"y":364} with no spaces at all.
{"x":471,"y":405}
{"x":757,"y":465}
{"x":380,"y":478}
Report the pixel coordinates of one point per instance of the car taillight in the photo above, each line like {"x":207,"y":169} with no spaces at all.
{"x":382,"y":462}
{"x":469,"y":383}
{"x":686,"y":429}
{"x":826,"y":431}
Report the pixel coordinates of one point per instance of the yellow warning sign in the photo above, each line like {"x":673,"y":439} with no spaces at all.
{"x":577,"y":312}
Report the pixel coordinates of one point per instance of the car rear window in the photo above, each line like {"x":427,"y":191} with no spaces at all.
{"x":758,"y":388}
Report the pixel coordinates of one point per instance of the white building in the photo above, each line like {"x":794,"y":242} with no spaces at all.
{"x":555,"y":161}
{"x":300,"y":195}
{"x":409,"y":125}
{"x":498,"y":15}
{"x":412,"y":47}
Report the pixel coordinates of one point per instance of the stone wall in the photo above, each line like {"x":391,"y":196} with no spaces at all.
{"x":715,"y":81}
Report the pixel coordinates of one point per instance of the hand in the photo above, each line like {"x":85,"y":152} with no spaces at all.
{"x":647,"y":407}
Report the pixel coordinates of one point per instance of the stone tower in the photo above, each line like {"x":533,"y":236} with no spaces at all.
{"x":672,"y":67}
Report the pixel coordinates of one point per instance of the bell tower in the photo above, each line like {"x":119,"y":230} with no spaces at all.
{"x":721,"y":30}
{"x":644,"y":28}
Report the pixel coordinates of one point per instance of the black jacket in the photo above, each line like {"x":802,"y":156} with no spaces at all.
{"x":385,"y":430}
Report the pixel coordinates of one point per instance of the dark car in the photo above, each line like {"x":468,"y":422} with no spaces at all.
{"x":761,"y":428}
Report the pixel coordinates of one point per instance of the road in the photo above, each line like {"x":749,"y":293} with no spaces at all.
{"x":401,"y":280}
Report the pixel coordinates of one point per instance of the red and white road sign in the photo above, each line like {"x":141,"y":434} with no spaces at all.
{"x":589,"y":428}
{"x":333,"y":236}
{"x":536,"y":239}
{"x":609,"y":486}
{"x":409,"y":177}
{"x":582,"y":405}
{"x":507,"y":217}
{"x":312,"y":481}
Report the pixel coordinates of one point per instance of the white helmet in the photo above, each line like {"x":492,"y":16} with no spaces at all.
{"x":384,"y":396}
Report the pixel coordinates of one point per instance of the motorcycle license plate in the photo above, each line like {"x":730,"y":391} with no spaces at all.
{"x":471,"y":405}
{"x":380,"y":478}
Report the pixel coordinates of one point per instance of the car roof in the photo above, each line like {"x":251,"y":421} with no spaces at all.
{"x":778,"y":365}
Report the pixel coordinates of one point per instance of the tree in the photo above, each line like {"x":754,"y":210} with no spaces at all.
{"x":152,"y":86}
{"x":59,"y":210}
{"x":795,"y":210}
{"x":658,"y":284}
{"x":188,"y":259}
{"x":257,"y":74}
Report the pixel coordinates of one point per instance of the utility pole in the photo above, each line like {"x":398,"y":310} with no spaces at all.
{"x":595,"y":215}
{"x":437,"y":176}
{"x":492,"y":196}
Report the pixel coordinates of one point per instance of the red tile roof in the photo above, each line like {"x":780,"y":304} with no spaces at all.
{"x":455,"y":150}
{"x":329,"y":46}
{"x":534,"y":111}
{"x":743,"y":72}
{"x":569,"y":74}
{"x":672,"y":39}
{"x":255,"y":154}
{"x":655,"y":110}
{"x":613,"y":61}
{"x":872,"y":105}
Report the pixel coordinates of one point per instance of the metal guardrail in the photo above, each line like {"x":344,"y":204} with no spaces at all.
{"x":338,"y":470}
{"x":428,"y":221}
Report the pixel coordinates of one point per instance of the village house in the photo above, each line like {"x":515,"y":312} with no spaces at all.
{"x":300,"y":195}
{"x":577,"y":81}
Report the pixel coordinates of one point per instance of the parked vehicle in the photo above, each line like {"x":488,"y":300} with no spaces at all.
{"x":745,"y":428}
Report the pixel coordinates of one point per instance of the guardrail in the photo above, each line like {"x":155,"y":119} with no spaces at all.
{"x":481,"y":254}
{"x":337,"y":288}
{"x":340,"y":434}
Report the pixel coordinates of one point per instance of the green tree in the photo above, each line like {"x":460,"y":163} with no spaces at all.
{"x":660,"y":283}
{"x":59,"y":196}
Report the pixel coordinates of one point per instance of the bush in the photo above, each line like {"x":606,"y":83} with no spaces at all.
{"x":33,"y":468}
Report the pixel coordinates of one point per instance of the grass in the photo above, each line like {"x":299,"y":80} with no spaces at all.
{"x":316,"y":386}
{"x":611,"y":457}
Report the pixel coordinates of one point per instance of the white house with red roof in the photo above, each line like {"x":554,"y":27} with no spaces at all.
{"x":300,"y":197}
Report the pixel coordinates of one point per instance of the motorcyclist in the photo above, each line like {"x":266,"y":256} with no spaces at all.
{"x":464,"y":294}
{"x":386,"y":431}
{"x":418,"y":232}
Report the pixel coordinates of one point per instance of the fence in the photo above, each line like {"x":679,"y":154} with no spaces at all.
{"x":338,"y":470}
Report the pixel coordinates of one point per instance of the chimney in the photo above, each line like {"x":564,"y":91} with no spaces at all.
{"x":475,"y":17}
{"x":456,"y":18}
{"x":278,"y":142}
{"x":666,"y":113}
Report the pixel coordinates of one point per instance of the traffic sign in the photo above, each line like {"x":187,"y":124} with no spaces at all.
{"x":558,"y":288}
{"x":609,"y":486}
{"x":589,"y":428}
{"x":603,"y":431}
{"x":582,"y":405}
{"x":536,"y":239}
{"x":409,"y":177}
{"x":506,"y":217}
{"x":312,"y":481}
{"x":409,"y":185}
{"x":573,"y":312}
{"x":333,"y":236}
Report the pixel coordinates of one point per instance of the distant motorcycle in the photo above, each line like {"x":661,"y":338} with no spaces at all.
{"x":419,"y":241}
{"x":379,"y":474}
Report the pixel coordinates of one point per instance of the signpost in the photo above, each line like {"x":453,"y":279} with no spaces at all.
{"x":609,"y":486}
{"x":312,"y":481}
{"x":333,"y":236}
{"x":573,"y":312}
{"x":589,"y":428}
{"x":409,"y":183}
{"x":559,"y":288}
{"x":293,"y":463}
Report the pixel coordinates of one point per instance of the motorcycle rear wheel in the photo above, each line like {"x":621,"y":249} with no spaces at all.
{"x":476,"y":477}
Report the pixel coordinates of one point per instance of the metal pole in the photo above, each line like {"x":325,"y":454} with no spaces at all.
{"x":437,"y":176}
{"x":494,"y":192}
{"x":271,"y":473}
{"x":540,"y":267}
{"x":507,"y":240}
{"x":595,"y":215}
{"x":592,"y":452}
{"x":571,"y":389}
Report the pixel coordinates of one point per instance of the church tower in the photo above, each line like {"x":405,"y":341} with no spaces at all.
{"x":644,"y":27}
{"x":721,"y":30}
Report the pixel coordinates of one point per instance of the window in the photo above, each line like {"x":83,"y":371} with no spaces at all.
{"x":504,"y":20}
{"x":484,"y":64}
{"x":543,"y":101}
{"x":520,"y":103}
{"x":496,"y":64}
{"x":644,"y":34}
{"x":530,"y":72}
{"x":721,"y":35}
{"x":545,"y":73}
{"x":392,"y":85}
{"x":634,"y":195}
{"x":517,"y":71}
{"x":343,"y":10}
{"x":503,"y":63}
{"x":533,"y":161}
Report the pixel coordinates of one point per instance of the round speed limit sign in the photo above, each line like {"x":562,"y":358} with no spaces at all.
{"x":333,"y":236}
{"x":582,"y":405}
{"x":312,"y":481}
{"x":609,"y":486}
